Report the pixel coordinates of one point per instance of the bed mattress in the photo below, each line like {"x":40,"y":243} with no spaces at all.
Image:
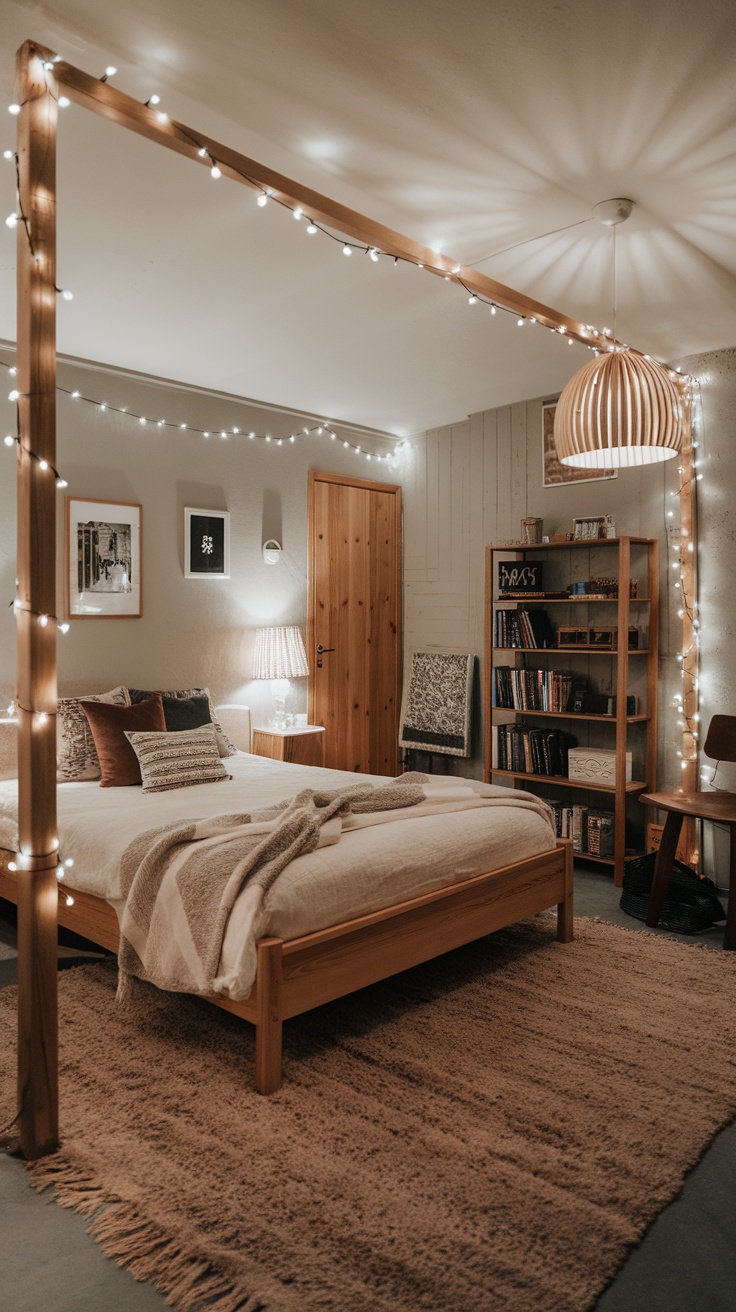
{"x":368,"y":869}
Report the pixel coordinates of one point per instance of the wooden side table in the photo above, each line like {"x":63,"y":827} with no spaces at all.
{"x":303,"y":746}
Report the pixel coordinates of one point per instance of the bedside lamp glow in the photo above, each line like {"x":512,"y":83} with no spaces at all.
{"x":280,"y":656}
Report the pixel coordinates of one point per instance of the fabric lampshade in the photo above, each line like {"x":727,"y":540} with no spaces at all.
{"x":619,"y":410}
{"x":280,"y":653}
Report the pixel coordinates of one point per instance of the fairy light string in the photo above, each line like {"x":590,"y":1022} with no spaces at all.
{"x":218,"y":168}
{"x":315,"y":429}
{"x":594,"y":339}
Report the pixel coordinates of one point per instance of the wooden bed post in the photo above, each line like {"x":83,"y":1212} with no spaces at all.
{"x":565,"y":908}
{"x":36,"y":598}
{"x":269,"y":1016}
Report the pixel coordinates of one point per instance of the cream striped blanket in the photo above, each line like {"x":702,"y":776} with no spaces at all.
{"x":182,"y":880}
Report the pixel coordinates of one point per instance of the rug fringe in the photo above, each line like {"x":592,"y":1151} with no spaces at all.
{"x":188,"y":1281}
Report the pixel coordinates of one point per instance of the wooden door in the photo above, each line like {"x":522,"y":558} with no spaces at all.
{"x":355,"y":618}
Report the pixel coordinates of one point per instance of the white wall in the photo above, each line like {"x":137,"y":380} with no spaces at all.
{"x":193,"y":631}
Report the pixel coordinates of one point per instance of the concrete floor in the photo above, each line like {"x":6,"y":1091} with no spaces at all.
{"x":686,"y":1262}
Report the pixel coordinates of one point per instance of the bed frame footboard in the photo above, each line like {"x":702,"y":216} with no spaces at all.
{"x":298,"y":974}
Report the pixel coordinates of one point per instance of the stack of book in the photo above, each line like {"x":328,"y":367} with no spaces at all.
{"x":533,"y":751}
{"x":530,"y":629}
{"x":531,"y":690}
{"x":591,"y":831}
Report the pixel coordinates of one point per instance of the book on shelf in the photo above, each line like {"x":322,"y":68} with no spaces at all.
{"x":531,"y":690}
{"x":528,"y":629}
{"x":532,"y":751}
{"x":591,"y":830}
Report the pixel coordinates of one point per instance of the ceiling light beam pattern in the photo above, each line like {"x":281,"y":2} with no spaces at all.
{"x":110,"y":103}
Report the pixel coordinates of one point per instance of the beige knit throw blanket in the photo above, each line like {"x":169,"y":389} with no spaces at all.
{"x":210,"y":861}
{"x":181,"y":881}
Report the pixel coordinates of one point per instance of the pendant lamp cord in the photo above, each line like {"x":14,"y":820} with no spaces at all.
{"x":615,"y":337}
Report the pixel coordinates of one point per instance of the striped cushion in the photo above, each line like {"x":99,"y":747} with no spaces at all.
{"x":226,"y":748}
{"x":174,"y":760}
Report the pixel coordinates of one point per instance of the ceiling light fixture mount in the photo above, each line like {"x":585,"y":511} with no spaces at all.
{"x":614,"y":211}
{"x":622,"y":408}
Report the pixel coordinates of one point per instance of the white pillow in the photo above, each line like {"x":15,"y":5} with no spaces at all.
{"x":175,"y":760}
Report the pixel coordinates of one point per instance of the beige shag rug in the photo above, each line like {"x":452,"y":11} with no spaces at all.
{"x":493,"y":1130}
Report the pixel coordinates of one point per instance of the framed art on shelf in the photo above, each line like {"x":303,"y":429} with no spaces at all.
{"x":206,"y":544}
{"x":554,"y":473}
{"x":103,"y":559}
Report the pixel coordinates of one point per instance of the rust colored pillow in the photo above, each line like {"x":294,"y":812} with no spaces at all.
{"x":118,"y":762}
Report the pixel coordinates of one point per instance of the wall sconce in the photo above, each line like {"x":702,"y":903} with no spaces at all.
{"x":271,"y":552}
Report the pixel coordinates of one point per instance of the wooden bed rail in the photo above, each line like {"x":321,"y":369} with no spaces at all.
{"x":296,"y":975}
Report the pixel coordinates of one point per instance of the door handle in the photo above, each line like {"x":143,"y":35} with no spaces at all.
{"x":321,"y":649}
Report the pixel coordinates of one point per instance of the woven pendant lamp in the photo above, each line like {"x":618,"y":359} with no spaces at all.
{"x":620,"y":409}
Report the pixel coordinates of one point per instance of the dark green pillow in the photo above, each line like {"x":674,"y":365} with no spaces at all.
{"x":186,"y":712}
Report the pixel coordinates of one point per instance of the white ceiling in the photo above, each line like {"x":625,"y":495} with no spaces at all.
{"x":471,"y":126}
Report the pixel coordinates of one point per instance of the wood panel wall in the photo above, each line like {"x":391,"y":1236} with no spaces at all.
{"x":472,"y":483}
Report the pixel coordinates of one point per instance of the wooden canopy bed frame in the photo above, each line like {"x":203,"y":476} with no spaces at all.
{"x":293,"y":976}
{"x":298,"y":974}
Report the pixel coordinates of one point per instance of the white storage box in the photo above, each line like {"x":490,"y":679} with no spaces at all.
{"x":595,"y":765}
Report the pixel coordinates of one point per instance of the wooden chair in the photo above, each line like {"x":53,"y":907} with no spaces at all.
{"x":720,"y":745}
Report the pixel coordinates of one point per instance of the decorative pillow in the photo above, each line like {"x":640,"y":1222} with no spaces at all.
{"x":185,"y":712}
{"x":223,"y":742}
{"x":118,"y":761}
{"x":76,"y":755}
{"x":175,"y":760}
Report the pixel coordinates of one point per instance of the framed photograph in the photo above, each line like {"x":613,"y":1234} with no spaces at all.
{"x":103,"y":554}
{"x":206,"y":544}
{"x":553,"y":471}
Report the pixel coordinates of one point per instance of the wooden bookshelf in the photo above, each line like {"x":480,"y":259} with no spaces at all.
{"x":636,"y":733}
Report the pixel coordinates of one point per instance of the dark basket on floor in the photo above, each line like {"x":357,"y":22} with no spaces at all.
{"x":691,"y":905}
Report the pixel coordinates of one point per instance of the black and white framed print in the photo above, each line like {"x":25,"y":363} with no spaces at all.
{"x":206,"y":544}
{"x":103,"y":555}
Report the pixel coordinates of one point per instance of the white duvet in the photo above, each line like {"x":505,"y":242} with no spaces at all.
{"x":370,"y":868}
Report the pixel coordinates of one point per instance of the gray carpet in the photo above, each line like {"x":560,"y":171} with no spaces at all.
{"x":686,"y":1262}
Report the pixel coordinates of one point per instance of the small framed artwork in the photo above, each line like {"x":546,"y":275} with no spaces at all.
{"x":206,"y":544}
{"x":554,"y":473}
{"x":103,"y":555}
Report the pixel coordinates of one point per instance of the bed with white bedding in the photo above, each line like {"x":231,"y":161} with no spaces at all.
{"x":395,"y":891}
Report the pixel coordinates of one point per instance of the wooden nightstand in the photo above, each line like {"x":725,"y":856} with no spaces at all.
{"x":298,"y":746}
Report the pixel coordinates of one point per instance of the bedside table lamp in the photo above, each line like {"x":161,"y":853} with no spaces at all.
{"x":280,"y":656}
